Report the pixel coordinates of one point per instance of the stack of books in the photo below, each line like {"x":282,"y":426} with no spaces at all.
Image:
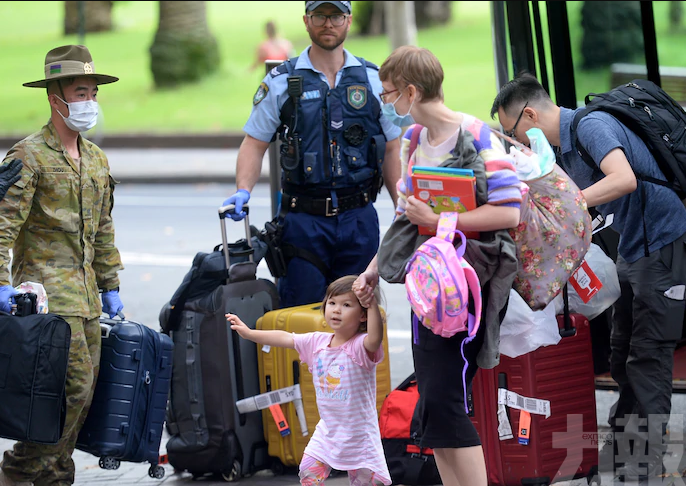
{"x":444,"y":189}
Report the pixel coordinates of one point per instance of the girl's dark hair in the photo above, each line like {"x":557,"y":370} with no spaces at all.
{"x":344,"y":285}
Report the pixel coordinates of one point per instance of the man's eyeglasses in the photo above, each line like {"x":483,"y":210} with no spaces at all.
{"x":386,"y":93}
{"x":319,"y":20}
{"x":511,"y":133}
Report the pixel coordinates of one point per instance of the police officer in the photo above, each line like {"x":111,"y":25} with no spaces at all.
{"x":337,"y":151}
{"x":57,"y":220}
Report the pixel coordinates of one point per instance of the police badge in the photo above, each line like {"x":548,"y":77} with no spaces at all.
{"x":260,"y":94}
{"x":357,"y":96}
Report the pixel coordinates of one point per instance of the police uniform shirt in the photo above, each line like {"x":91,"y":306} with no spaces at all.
{"x":272,"y":94}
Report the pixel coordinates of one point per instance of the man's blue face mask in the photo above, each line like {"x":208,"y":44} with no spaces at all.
{"x":388,"y":110}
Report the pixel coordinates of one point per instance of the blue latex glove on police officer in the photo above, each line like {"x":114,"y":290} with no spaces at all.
{"x":111,"y":303}
{"x":7,"y":293}
{"x":241,"y":197}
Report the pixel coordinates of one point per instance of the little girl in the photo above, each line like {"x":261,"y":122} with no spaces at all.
{"x":347,"y":437}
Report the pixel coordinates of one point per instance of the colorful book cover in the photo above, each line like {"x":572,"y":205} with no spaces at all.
{"x":445,"y":193}
{"x":448,"y":171}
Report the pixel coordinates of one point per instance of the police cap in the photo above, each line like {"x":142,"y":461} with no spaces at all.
{"x":344,"y":7}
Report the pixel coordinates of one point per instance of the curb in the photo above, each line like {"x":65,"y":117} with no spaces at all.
{"x":175,"y":179}
{"x":230,"y":140}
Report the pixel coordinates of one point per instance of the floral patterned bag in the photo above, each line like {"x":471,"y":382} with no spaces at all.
{"x":552,"y":238}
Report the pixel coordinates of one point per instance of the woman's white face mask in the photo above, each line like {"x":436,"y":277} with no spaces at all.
{"x":83,"y":115}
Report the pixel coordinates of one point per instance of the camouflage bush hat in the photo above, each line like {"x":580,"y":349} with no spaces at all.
{"x":69,"y":62}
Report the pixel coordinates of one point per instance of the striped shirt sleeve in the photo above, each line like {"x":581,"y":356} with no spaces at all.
{"x":504,"y":187}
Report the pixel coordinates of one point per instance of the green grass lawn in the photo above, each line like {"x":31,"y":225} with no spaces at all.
{"x":222,"y":101}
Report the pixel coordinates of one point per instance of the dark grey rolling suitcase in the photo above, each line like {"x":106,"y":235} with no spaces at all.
{"x":213,"y":368}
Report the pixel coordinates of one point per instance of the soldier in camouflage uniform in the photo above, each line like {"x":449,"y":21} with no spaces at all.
{"x":57,"y":220}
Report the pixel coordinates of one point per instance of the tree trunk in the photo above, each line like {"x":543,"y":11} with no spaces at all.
{"x":432,"y":13}
{"x":376,"y":23}
{"x":184,"y":49}
{"x":97,"y":17}
{"x":400,"y":23}
{"x":676,"y":13}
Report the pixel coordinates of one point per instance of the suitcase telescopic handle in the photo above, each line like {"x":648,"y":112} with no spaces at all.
{"x":568,"y":330}
{"x":223,"y":211}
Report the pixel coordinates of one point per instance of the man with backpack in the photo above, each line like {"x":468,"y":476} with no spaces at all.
{"x":337,"y":151}
{"x":650,"y":218}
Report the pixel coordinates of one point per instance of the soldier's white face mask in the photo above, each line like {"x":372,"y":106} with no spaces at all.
{"x":83,"y":115}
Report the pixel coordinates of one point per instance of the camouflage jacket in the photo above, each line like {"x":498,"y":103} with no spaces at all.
{"x":57,"y":221}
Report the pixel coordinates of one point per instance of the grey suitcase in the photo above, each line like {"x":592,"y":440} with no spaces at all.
{"x":212,"y":369}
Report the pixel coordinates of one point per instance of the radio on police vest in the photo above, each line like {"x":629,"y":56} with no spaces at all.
{"x":290,"y":149}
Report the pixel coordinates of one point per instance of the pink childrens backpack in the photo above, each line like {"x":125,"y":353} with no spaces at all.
{"x":438,"y":283}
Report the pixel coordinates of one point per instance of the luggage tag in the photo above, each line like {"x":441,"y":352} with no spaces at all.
{"x":279,"y":419}
{"x":524,"y":427}
{"x":585,"y":282}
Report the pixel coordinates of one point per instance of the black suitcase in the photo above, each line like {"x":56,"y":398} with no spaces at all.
{"x":126,"y":419}
{"x":34,"y":354}
{"x":212,"y":369}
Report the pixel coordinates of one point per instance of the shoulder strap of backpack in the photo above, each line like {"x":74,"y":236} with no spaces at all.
{"x":407,"y":382}
{"x":175,"y":314}
{"x":585,"y":156}
{"x":475,"y":290}
{"x":447,"y":227}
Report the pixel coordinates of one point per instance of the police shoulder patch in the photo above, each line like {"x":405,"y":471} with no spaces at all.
{"x":260,"y":94}
{"x":357,"y":96}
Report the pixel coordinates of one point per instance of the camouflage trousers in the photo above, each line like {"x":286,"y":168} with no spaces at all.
{"x":52,"y":464}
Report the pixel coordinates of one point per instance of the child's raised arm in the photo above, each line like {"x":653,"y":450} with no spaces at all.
{"x":281,"y":339}
{"x":374,"y":328}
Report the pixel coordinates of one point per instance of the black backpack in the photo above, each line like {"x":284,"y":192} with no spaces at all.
{"x":649,"y":112}
{"x":408,"y":464}
{"x":208,"y":271}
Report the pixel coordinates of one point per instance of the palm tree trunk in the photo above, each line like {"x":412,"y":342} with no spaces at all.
{"x":184,"y":49}
{"x":400,"y":24}
{"x":98,"y":17}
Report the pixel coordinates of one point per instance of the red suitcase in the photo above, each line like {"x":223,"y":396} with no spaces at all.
{"x":561,"y":374}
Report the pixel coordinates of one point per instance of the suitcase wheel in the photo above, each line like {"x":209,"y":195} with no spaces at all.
{"x":156,"y":471}
{"x":593,"y":477}
{"x":277,"y":467}
{"x":109,"y":463}
{"x":234,"y":474}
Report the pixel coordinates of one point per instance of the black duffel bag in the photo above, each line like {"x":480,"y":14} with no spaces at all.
{"x":34,"y":354}
{"x":208,"y":271}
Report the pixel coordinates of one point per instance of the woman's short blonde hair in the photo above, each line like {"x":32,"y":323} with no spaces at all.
{"x":416,"y":66}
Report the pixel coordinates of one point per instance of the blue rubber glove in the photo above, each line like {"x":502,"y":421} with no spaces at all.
{"x":7,"y":293}
{"x":239,"y":199}
{"x":111,"y":303}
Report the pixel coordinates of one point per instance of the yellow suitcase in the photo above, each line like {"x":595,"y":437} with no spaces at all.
{"x":280,"y":368}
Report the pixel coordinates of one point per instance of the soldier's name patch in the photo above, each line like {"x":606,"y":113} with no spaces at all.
{"x":357,"y":96}
{"x":311,"y":95}
{"x":54,"y":170}
{"x":260,"y":94}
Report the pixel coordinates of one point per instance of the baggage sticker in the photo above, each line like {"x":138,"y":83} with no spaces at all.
{"x":585,"y":282}
{"x":279,"y":419}
{"x":524,"y":427}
